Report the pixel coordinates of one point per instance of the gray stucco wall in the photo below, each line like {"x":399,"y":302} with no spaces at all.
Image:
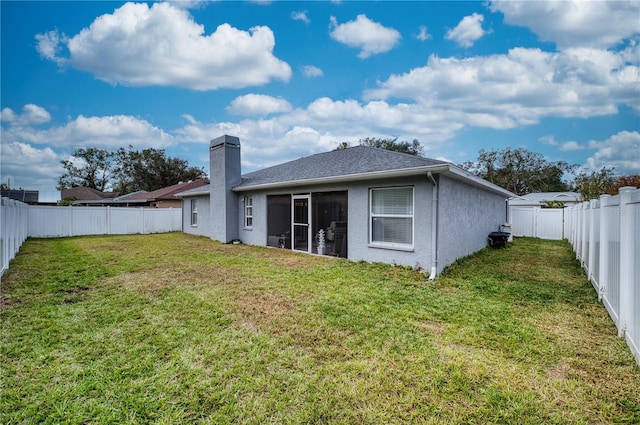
{"x":204,"y":217}
{"x":257,"y":234}
{"x":358,"y":220}
{"x":467,"y":214}
{"x":358,"y":231}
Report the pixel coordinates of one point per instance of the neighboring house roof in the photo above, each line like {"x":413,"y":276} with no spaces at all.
{"x":351,"y":164}
{"x":129,"y":196}
{"x":539,"y":199}
{"x":86,"y":193}
{"x":167,"y":193}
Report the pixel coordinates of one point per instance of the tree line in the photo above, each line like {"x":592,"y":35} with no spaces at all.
{"x":125,"y":170}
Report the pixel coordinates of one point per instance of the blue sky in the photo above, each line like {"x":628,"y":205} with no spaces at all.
{"x":296,"y":78}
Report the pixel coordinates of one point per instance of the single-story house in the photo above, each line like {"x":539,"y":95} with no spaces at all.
{"x":359,"y":203}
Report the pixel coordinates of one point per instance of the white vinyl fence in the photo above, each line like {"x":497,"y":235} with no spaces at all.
{"x":536,"y":222}
{"x":605,"y":234}
{"x":53,"y":221}
{"x":19,"y":221}
{"x":13,"y":230}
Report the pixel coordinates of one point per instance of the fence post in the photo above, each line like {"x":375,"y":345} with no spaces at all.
{"x":584,"y":249}
{"x":627,"y":261}
{"x":591,"y":242}
{"x":604,"y":251}
{"x":108,"y":219}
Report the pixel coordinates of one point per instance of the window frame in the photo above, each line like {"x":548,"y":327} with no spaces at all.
{"x":411,"y":217}
{"x":248,"y":212}
{"x":194,"y":213}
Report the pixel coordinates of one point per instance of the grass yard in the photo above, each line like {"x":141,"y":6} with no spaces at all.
{"x":174,"y":328}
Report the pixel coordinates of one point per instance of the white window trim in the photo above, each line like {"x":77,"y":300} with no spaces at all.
{"x":248,"y":203}
{"x":194,"y":212}
{"x":392,"y":245}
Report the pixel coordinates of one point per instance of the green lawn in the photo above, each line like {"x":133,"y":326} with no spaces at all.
{"x":179,"y":329}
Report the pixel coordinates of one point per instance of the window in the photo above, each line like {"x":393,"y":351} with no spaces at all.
{"x":391,"y":216}
{"x":248,"y":211}
{"x":194,"y":213}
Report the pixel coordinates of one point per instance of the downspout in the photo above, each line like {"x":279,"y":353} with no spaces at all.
{"x":434,"y":227}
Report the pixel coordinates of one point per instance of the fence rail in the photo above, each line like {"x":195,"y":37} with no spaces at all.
{"x":543,"y":223}
{"x":605,"y":235}
{"x":52,"y":221}
{"x":19,"y":221}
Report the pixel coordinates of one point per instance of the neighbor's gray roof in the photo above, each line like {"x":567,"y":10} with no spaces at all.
{"x":353,"y":161}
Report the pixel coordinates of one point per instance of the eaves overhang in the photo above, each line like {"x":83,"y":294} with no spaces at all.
{"x":458,"y":173}
{"x":446,"y":169}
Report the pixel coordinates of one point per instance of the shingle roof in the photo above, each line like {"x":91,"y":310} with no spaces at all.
{"x":344,"y":162}
{"x":86,"y":194}
{"x":168,"y":192}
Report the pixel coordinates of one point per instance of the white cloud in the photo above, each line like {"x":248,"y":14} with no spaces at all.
{"x":371,"y":37}
{"x":423,"y":35}
{"x":596,"y":24}
{"x":571,"y":146}
{"x":622,"y":151}
{"x":104,"y":132}
{"x":322,"y":125}
{"x":301,"y":16}
{"x":310,"y":71}
{"x":49,"y":46}
{"x":258,"y":104}
{"x":31,"y":115}
{"x":162,"y":45}
{"x":468,"y":31}
{"x":29,"y":167}
{"x":548,"y":140}
{"x":521,"y":87}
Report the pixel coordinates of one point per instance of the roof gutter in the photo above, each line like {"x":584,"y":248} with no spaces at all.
{"x":192,"y":193}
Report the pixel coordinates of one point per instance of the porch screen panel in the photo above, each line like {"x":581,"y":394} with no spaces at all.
{"x":279,"y":221}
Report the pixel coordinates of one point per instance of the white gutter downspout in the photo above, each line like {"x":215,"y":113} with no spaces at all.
{"x":434,"y":228}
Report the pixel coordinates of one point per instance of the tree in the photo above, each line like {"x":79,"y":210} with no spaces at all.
{"x":592,"y":184}
{"x":90,"y":167}
{"x":622,"y":181}
{"x":390,"y":144}
{"x":125,"y":170}
{"x":151,"y":169}
{"x":520,"y":170}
